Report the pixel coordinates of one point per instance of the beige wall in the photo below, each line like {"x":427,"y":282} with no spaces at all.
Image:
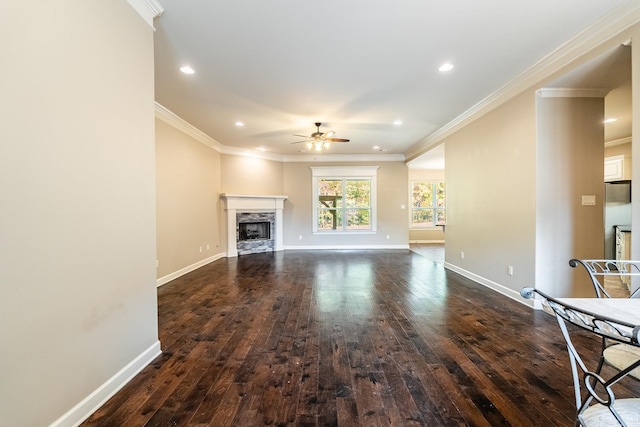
{"x":191,"y":176}
{"x":505,"y":208}
{"x":251,"y":176}
{"x":392,"y":220}
{"x":635,"y":144}
{"x":431,"y":235}
{"x":188,"y":201}
{"x":78,"y":299}
{"x":426,"y":174}
{"x":78,"y":295}
{"x":570,"y":165}
{"x":497,"y":151}
{"x":618,"y":150}
{"x":248,"y":176}
{"x":491,"y":196}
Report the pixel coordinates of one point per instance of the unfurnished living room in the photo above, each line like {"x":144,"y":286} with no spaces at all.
{"x":334,"y":214}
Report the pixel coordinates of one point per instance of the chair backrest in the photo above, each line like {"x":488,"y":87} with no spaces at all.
{"x":593,"y":392}
{"x":599,"y":269}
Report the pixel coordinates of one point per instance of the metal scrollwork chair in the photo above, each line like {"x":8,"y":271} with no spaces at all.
{"x":596,"y":403}
{"x":600,"y":269}
{"x":616,"y":355}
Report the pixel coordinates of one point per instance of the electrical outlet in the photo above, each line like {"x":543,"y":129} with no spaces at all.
{"x":510,"y":270}
{"x":462,"y":254}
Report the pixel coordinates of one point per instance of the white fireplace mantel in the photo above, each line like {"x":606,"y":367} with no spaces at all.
{"x":235,"y":203}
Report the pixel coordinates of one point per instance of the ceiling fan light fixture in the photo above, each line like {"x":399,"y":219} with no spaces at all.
{"x":319,"y":140}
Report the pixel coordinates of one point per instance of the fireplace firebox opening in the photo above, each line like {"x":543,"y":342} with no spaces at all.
{"x":254,"y":230}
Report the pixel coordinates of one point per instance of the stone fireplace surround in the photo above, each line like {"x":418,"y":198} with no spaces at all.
{"x":263,"y":243}
{"x":237,"y":204}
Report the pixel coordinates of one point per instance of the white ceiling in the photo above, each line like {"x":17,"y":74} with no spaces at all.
{"x":358,"y":66}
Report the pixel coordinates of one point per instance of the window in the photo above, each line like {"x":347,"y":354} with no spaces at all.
{"x":344,"y":199}
{"x":427,"y":204}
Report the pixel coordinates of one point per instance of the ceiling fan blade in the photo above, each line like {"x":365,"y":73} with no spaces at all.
{"x":318,"y":137}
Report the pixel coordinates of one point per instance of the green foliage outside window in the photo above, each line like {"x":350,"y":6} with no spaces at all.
{"x":344,"y":204}
{"x":428,"y":204}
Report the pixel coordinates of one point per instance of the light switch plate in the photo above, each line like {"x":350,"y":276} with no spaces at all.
{"x":588,"y":200}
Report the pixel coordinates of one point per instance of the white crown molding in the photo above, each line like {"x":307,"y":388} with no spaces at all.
{"x":344,"y":158}
{"x":169,"y":117}
{"x":568,"y":92}
{"x":604,"y":29}
{"x":350,"y":171}
{"x":618,"y":142}
{"x":148,"y":9}
{"x":246,"y":152}
{"x":305,"y":158}
{"x":177,"y":122}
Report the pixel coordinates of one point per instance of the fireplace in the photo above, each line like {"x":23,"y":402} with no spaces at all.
{"x":254,"y":231}
{"x":254,"y":223}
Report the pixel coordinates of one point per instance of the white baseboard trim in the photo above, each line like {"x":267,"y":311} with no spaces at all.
{"x":343,"y":247}
{"x":87,"y":406}
{"x":426,"y":241}
{"x":169,"y":277}
{"x":514,"y":295}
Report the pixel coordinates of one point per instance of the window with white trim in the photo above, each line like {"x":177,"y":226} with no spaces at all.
{"x":427,"y":204}
{"x":344,"y":199}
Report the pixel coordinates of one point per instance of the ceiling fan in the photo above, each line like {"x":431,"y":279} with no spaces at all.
{"x":318,"y":139}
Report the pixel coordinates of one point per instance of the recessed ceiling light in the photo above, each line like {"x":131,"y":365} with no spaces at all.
{"x":397,"y":122}
{"x":262,"y":149}
{"x":610,"y":120}
{"x":187,"y":69}
{"x":239,"y":124}
{"x":446,"y":67}
{"x":376,"y":147}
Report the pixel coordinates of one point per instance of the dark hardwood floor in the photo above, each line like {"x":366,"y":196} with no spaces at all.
{"x":346,"y":338}
{"x":433,"y":251}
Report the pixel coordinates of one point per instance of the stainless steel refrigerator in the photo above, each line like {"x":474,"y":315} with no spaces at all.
{"x":617,"y":215}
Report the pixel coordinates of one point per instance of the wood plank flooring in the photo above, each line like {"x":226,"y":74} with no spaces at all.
{"x":346,"y":338}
